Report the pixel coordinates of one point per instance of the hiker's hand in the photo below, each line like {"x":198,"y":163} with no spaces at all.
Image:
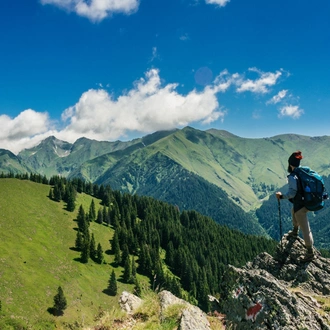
{"x":278,"y":195}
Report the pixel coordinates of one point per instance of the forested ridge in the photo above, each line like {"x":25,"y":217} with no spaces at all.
{"x":184,"y":252}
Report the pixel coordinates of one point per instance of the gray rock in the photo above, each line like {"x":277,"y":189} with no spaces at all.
{"x":275,"y":293}
{"x":192,"y":317}
{"x":129,"y":302}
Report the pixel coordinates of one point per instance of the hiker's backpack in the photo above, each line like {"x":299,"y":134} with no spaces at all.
{"x":311,"y":188}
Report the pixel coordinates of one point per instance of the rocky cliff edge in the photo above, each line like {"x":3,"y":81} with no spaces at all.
{"x":280,"y":292}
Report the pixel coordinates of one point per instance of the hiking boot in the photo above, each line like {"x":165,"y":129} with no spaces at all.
{"x":293,"y":233}
{"x":310,"y":256}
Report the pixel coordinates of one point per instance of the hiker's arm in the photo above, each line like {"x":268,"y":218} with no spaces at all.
{"x":292,"y":181}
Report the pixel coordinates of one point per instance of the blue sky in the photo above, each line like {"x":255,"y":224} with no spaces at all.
{"x":120,"y":69}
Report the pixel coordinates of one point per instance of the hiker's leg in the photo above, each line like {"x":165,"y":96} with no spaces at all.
{"x":301,"y":218}
{"x":295,"y":225}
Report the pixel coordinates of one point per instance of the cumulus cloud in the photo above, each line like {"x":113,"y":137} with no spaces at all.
{"x":261,"y":84}
{"x":147,"y":107}
{"x":278,"y":97}
{"x":292,"y":111}
{"x":96,"y":10}
{"x":24,"y":130}
{"x":220,"y":3}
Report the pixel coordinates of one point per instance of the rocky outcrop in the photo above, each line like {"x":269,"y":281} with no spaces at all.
{"x":129,"y":302}
{"x":191,"y":318}
{"x":277,"y":292}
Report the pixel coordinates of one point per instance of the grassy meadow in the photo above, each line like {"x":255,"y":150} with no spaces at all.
{"x":37,"y":238}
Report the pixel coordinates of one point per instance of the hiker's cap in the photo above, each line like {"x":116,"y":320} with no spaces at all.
{"x":295,"y":158}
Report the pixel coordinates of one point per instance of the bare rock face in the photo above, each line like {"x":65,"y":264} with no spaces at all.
{"x":276,"y":293}
{"x":129,"y":302}
{"x":192,"y":317}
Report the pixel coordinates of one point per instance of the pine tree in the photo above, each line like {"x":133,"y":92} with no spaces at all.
{"x":51,"y":194}
{"x":115,"y":249}
{"x":71,"y":205}
{"x":112,"y":287}
{"x":99,"y":218}
{"x":57,"y":193}
{"x":92,"y":211}
{"x":92,"y":249}
{"x":124,"y":255}
{"x":60,"y":303}
{"x":127,"y":270}
{"x":137,"y":288}
{"x":99,"y":254}
{"x":79,"y":241}
{"x":82,"y":221}
{"x":133,"y":267}
{"x":84,"y":255}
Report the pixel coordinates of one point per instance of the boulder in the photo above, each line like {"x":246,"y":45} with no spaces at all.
{"x":129,"y":302}
{"x":191,"y":318}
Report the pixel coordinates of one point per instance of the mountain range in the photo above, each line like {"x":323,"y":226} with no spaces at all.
{"x":210,"y":171}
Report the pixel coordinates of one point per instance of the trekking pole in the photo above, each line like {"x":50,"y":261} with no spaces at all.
{"x":280,"y":219}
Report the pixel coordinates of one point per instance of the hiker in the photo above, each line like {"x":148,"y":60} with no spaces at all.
{"x":299,"y":211}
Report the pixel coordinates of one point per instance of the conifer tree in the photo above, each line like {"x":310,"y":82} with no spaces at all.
{"x":57,"y":193}
{"x":124,"y":255}
{"x":51,"y":194}
{"x":71,"y":205}
{"x":92,"y":211}
{"x":99,"y":218}
{"x":112,"y":287}
{"x":81,"y":220}
{"x":115,"y":249}
{"x":92,"y":248}
{"x":60,"y":303}
{"x":79,"y":241}
{"x":104,"y":214}
{"x":133,"y":267}
{"x":84,"y":255}
{"x":127,"y":270}
{"x":99,"y":254}
{"x":137,"y":288}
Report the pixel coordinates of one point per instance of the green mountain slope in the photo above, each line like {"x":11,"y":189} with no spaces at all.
{"x":9,"y":163}
{"x":157,"y":175}
{"x":36,"y":240}
{"x":248,"y":170}
{"x":53,"y":156}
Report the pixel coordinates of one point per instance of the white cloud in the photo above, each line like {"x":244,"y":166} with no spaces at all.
{"x":291,"y":111}
{"x":220,"y":3}
{"x":260,"y":85}
{"x":96,"y":10}
{"x":147,"y":107}
{"x":278,"y":97}
{"x":24,"y":130}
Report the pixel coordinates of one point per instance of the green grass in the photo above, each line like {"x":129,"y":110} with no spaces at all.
{"x":36,"y":256}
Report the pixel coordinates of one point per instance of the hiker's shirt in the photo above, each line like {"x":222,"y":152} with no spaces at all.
{"x":293,"y":194}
